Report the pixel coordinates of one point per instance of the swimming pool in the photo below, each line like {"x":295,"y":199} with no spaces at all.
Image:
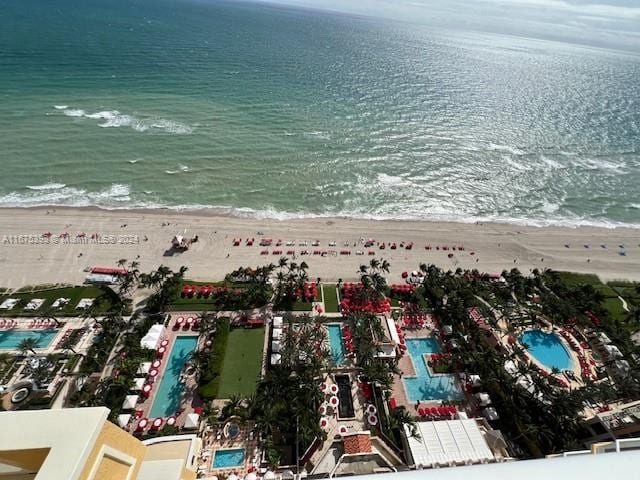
{"x":167,"y":398}
{"x":424,"y":386}
{"x":336,"y":345}
{"x":10,"y":339}
{"x":547,"y":348}
{"x":228,"y":457}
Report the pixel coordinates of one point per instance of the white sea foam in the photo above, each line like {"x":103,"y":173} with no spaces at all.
{"x":47,"y":186}
{"x":60,"y":107}
{"x":74,"y":112}
{"x":181,"y":169}
{"x":505,"y":148}
{"x":115,"y":119}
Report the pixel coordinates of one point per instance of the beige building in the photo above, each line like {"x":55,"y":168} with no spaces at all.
{"x":81,"y":444}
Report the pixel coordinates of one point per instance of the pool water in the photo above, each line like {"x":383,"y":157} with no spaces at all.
{"x":10,"y":339}
{"x":168,"y":394}
{"x":336,"y":344}
{"x":228,"y":457}
{"x":424,"y":386}
{"x":547,"y":348}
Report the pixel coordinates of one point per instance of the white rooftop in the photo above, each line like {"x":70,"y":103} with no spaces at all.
{"x":448,"y":442}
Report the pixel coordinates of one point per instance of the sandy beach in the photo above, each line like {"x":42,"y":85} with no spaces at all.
{"x":145,"y":236}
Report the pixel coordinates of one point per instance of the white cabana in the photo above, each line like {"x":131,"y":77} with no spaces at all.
{"x":84,"y":303}
{"x":475,"y":380}
{"x":138,"y":383}
{"x":277,"y":322}
{"x":613,"y":351}
{"x":192,"y":420}
{"x":123,"y":420}
{"x":277,"y":333}
{"x":511,"y":367}
{"x":153,"y":337}
{"x":143,"y":369}
{"x":276,"y":358}
{"x":250,"y":476}
{"x":448,"y":442}
{"x":604,"y":339}
{"x":130,"y":402}
{"x":34,"y":304}
{"x":60,"y":302}
{"x":275,"y":346}
{"x":393,"y":332}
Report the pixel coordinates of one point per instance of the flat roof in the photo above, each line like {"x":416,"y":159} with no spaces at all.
{"x":448,"y":442}
{"x":69,"y":434}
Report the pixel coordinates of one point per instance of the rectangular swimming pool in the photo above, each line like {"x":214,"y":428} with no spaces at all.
{"x":10,"y":339}
{"x":168,"y":394}
{"x":423,"y":386}
{"x":228,"y":457}
{"x":336,"y":344}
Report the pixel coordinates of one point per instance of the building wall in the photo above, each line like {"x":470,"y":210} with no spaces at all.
{"x":112,"y":438}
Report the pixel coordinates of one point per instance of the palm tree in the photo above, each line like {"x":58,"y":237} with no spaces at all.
{"x":27,"y":345}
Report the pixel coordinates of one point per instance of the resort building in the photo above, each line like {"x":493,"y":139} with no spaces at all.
{"x":81,"y":444}
{"x":621,"y":421}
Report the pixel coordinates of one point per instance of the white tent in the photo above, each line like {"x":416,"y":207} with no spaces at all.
{"x":475,"y":380}
{"x":393,"y":332}
{"x":275,"y":358}
{"x":152,"y":339}
{"x":448,"y":442}
{"x":143,"y":369}
{"x":613,"y":351}
{"x":138,"y":384}
{"x":123,"y":419}
{"x":130,"y":402}
{"x":275,"y":346}
{"x":277,"y":322}
{"x":192,"y":420}
{"x":277,"y":333}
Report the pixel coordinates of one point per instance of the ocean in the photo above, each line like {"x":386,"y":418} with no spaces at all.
{"x":268,"y":111}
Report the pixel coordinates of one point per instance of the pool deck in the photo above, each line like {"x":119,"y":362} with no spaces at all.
{"x":190,"y":387}
{"x":67,"y":324}
{"x":214,"y":440}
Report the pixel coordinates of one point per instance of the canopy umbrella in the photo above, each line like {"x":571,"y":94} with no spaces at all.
{"x":156,"y":364}
{"x":157,"y":423}
{"x":124,"y":419}
{"x":372,"y":419}
{"x":146,"y":389}
{"x":144,"y":367}
{"x":161,"y":351}
{"x":164,"y":343}
{"x":180,"y":320}
{"x":138,"y":384}
{"x":153,"y":372}
{"x":372,"y":409}
{"x":333,"y":401}
{"x":142,"y":424}
{"x":171,"y":421}
{"x":333,"y":388}
{"x":324,"y":422}
{"x":323,"y":409}
{"x":189,"y":320}
{"x":343,"y":430}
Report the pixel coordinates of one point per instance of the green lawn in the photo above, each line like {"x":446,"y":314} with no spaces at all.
{"x":572,"y":278}
{"x":50,"y":295}
{"x":197,"y":304}
{"x":614,"y":308}
{"x":330,"y":299}
{"x":242,"y":362}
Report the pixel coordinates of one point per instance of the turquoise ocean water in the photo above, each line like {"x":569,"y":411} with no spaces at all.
{"x":270,"y":111}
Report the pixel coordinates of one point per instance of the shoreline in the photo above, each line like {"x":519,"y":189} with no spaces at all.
{"x":227,"y":212}
{"x":495,"y":246}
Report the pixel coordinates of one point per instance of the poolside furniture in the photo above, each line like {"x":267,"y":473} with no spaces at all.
{"x":156,"y":364}
{"x":157,"y":423}
{"x":153,"y":372}
{"x":60,"y":302}
{"x":9,"y":303}
{"x":138,"y":383}
{"x":142,"y":424}
{"x":171,"y":420}
{"x":84,"y":303}
{"x":192,"y":421}
{"x":161,"y":351}
{"x":146,"y":389}
{"x":152,"y":339}
{"x":144,"y":368}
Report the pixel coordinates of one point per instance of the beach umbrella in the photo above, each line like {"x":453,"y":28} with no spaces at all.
{"x":142,"y":424}
{"x":156,"y":364}
{"x":323,"y":409}
{"x":146,"y":389}
{"x":323,"y":387}
{"x":372,"y":419}
{"x":333,"y":401}
{"x":343,"y":430}
{"x":164,"y":343}
{"x":189,"y":320}
{"x":333,"y":389}
{"x":161,"y":351}
{"x":153,"y":372}
{"x":130,"y":402}
{"x":171,"y":421}
{"x":371,"y":409}
{"x":324,"y":422}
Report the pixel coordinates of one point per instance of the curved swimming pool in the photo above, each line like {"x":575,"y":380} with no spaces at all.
{"x":547,"y":348}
